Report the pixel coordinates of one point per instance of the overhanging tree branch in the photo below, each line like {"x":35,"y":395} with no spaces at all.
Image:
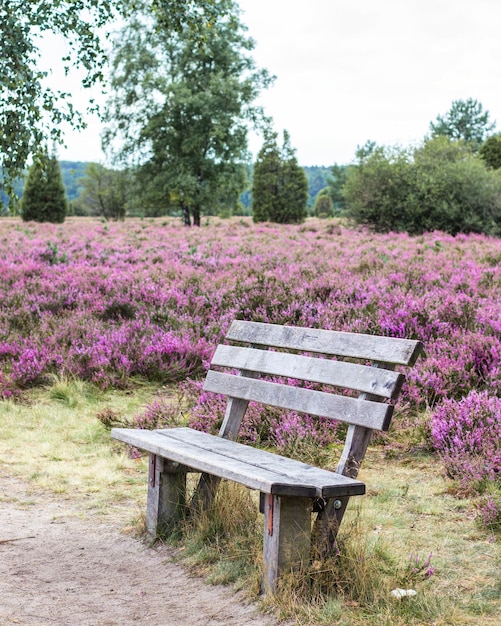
{"x":32,"y":113}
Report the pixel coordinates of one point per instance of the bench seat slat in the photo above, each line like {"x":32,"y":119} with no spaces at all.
{"x":380,"y":382}
{"x":356,"y":345}
{"x":326,"y":482}
{"x":254,"y":468}
{"x":374,"y":415}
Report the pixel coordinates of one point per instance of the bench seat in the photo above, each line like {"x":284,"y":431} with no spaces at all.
{"x":257,"y":469}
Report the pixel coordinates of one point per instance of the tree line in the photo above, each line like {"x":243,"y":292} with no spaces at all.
{"x":184,"y":87}
{"x":449,"y":182}
{"x":88,"y":185}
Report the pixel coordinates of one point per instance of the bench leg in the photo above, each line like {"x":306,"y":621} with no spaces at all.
{"x":205,"y":492}
{"x":287,"y":537}
{"x":326,"y":527}
{"x":328,"y":521}
{"x":166,"y":496}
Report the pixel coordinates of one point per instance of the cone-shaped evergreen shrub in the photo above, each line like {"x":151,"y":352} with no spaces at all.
{"x":44,"y":195}
{"x":291,"y":209}
{"x":265,"y":186}
{"x":280,"y":185}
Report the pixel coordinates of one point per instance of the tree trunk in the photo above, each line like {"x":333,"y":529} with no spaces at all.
{"x":196,"y":216}
{"x":186,"y":214}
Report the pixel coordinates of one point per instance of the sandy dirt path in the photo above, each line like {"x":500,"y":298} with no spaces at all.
{"x":60,"y":567}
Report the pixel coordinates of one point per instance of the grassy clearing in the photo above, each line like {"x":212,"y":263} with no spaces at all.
{"x":55,"y":441}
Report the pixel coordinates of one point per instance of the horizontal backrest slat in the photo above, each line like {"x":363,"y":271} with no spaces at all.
{"x":380,"y":382}
{"x":374,"y":415}
{"x":329,"y":342}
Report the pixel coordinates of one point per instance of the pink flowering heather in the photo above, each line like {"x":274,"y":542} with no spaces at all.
{"x":108,"y":302}
{"x":489,"y":512}
{"x":159,"y":414}
{"x":467,"y":435}
{"x":207,"y":414}
{"x":419,"y":569}
{"x":293,"y":432}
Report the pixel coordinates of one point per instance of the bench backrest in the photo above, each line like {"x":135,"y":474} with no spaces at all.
{"x":338,"y":363}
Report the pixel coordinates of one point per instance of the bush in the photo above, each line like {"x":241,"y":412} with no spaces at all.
{"x":467,"y":435}
{"x":440,"y":185}
{"x":453,"y":191}
{"x":491,"y":151}
{"x":489,"y":512}
{"x":323,"y":204}
{"x":377,"y":190}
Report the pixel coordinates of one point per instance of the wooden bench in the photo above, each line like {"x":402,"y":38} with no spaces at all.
{"x":339,"y":366}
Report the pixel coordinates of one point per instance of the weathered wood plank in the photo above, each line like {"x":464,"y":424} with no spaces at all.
{"x":370,"y":347}
{"x":235,"y":411}
{"x":256,"y":469}
{"x":326,"y":482}
{"x":365,"y":413}
{"x":210,"y":462}
{"x":286,"y":544}
{"x":324,"y":371}
{"x":166,"y":497}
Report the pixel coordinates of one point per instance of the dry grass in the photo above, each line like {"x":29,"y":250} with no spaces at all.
{"x":55,"y":441}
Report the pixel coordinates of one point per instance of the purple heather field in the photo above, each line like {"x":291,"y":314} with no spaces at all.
{"x":106,"y":302}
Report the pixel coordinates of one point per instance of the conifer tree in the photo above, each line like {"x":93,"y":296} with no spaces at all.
{"x":44,"y":195}
{"x":265,"y":182}
{"x":491,"y":151}
{"x":280,"y":185}
{"x":293,"y":188}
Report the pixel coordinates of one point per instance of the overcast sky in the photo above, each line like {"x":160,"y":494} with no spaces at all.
{"x":348,"y":71}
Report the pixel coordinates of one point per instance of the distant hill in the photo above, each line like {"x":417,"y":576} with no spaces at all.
{"x":72,"y":171}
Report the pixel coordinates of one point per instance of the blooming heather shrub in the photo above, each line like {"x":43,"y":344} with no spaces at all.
{"x":154,"y":299}
{"x":455,"y":365}
{"x":208,"y":411}
{"x":418,"y":569}
{"x":467,"y":435}
{"x":8,"y":388}
{"x":29,"y":364}
{"x":105,"y":356}
{"x":489,"y":509}
{"x":159,"y":414}
{"x":169,"y":356}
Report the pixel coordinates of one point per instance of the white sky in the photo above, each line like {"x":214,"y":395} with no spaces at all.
{"x":353,"y":70}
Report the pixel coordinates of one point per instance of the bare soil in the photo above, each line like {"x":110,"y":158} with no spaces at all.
{"x":60,"y":566}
